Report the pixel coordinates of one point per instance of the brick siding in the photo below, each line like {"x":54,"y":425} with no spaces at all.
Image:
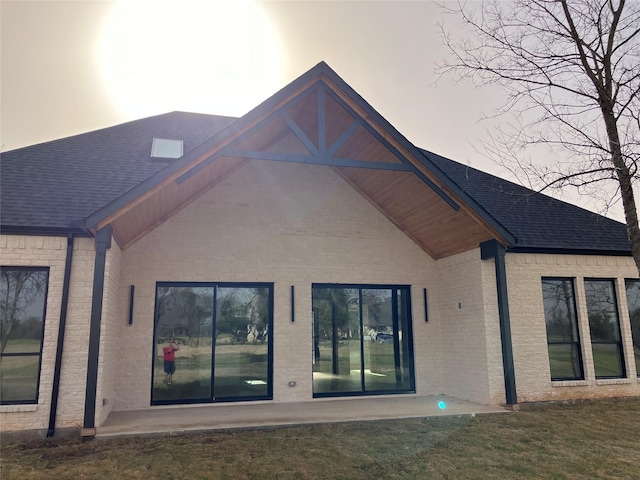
{"x":36,"y":251}
{"x":531,"y":359}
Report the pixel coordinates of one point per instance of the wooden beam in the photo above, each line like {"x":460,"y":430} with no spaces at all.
{"x":318,"y":159}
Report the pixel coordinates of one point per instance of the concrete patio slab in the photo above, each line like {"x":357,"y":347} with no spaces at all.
{"x":193,"y":418}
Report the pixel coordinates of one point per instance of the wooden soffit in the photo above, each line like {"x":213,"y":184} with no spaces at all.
{"x":319,"y":120}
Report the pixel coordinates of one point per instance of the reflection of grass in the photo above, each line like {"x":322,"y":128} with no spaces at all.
{"x":235,"y":364}
{"x":379,"y":364}
{"x":606,"y":360}
{"x":22,"y":345}
{"x":560,"y":361}
{"x":18,"y":378}
{"x":593,"y":439}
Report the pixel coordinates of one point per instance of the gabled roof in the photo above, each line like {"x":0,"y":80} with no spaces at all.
{"x":83,"y":182}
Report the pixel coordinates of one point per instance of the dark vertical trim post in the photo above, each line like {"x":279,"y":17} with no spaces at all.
{"x":426,"y":305}
{"x":293,"y":305}
{"x":61,"y":329}
{"x":132,"y":290}
{"x":494,"y":249}
{"x":103,"y":242}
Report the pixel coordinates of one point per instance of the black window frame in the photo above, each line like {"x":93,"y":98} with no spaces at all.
{"x":618,"y":343}
{"x":33,"y":401}
{"x":410,"y":345}
{"x":212,"y":399}
{"x":577,"y":342}
{"x":627,"y":281}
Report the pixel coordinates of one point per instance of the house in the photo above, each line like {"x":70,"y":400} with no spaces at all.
{"x":304,"y":250}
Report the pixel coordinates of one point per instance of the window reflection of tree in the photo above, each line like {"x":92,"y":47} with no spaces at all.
{"x":20,"y":291}
{"x":243,"y":314}
{"x":601,"y":307}
{"x":604,"y":325}
{"x":559,"y":308}
{"x":561,"y":320}
{"x":331,"y":319}
{"x":184,"y":312}
{"x":379,"y":311}
{"x":633,"y":302}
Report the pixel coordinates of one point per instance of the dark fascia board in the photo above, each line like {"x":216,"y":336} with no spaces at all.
{"x":570,"y":251}
{"x":320,"y":69}
{"x":43,"y":231}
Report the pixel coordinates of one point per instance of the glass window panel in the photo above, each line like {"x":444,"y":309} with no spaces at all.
{"x":403,"y":370}
{"x":336,"y":341}
{"x":607,"y":360}
{"x":564,"y":360}
{"x":561,"y":322}
{"x":381,"y":354}
{"x":633,"y":302}
{"x":559,"y":310}
{"x":350,"y":322}
{"x":604,"y":326}
{"x":184,"y":315}
{"x":19,"y":378}
{"x":23,"y":293}
{"x":602,"y":310}
{"x":242,"y":342}
{"x":223,"y":343}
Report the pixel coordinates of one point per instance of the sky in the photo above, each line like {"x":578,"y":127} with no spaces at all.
{"x":76,"y":66}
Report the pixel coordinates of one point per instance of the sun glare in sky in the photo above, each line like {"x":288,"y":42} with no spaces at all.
{"x":213,"y":56}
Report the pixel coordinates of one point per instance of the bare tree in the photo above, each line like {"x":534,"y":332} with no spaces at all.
{"x":571,"y":71}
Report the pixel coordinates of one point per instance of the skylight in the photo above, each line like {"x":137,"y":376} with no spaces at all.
{"x":166,"y":148}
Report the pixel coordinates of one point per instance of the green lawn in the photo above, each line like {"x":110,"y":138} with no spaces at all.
{"x":586,"y":440}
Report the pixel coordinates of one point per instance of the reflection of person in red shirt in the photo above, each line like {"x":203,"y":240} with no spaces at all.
{"x":170,"y":360}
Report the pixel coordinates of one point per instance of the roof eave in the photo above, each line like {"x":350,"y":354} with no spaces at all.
{"x":44,"y":231}
{"x":570,"y":251}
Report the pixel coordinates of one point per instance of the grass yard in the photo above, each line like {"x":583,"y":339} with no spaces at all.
{"x":590,"y":440}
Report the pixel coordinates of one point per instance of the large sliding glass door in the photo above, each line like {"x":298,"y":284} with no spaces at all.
{"x":362,"y":340}
{"x":212,"y":342}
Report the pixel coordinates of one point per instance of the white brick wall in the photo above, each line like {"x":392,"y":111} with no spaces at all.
{"x":17,"y":250}
{"x":112,"y":315}
{"x":273,"y":222}
{"x":531,"y":360}
{"x":471,"y":355}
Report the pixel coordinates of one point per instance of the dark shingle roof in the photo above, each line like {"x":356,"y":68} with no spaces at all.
{"x":538,"y":221}
{"x":58,"y":184}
